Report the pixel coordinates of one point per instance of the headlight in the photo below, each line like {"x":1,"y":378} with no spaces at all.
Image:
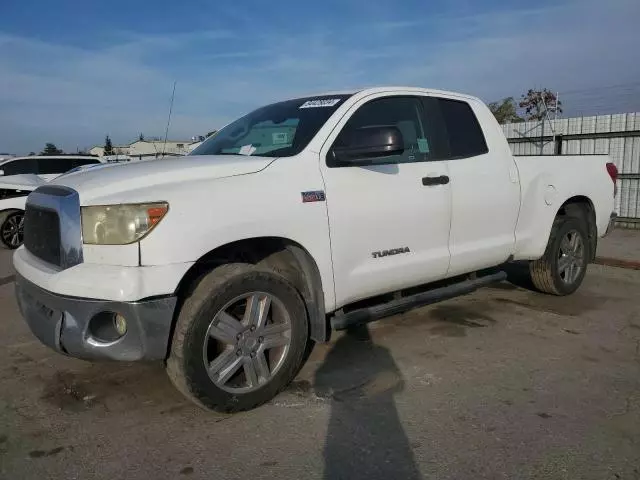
{"x":120,"y":224}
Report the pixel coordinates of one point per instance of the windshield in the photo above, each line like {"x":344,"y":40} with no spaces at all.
{"x":279,"y":130}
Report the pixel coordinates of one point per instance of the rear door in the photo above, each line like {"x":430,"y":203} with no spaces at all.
{"x":389,"y":218}
{"x":484,"y":187}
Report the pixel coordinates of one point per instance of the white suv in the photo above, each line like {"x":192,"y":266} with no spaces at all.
{"x":18,"y":177}
{"x":46,"y":167}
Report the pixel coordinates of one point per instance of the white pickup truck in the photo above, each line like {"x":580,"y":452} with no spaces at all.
{"x":229,"y":263}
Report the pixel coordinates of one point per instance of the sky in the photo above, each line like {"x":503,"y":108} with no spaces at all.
{"x":73,"y":71}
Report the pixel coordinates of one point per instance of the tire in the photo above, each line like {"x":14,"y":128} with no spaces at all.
{"x":211,"y":319}
{"x":548,"y":273}
{"x":12,"y":230}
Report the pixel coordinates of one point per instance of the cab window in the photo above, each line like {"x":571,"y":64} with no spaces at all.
{"x":404,"y":113}
{"x":465,"y":135}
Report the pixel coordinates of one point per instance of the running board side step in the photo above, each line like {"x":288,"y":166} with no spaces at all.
{"x":369,"y":314}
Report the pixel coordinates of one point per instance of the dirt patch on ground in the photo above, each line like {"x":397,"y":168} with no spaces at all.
{"x":109,"y":386}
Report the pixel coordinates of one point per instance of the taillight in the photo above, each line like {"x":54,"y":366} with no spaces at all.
{"x":612,"y":170}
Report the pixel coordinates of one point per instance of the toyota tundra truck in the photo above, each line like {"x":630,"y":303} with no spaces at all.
{"x":302,"y":217}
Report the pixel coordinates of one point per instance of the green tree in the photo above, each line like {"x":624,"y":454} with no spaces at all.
{"x":51,"y":149}
{"x":536,"y":103}
{"x":31,"y":154}
{"x":108,"y":147}
{"x":505,"y":111}
{"x":212,"y":132}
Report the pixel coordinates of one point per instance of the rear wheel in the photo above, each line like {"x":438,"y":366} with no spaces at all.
{"x":562,"y":268}
{"x":240,"y":338}
{"x":12,"y":230}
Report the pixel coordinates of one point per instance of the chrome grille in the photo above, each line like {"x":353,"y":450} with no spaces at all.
{"x":52,"y":230}
{"x":42,"y":233}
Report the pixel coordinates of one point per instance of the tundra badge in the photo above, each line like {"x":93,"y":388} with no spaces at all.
{"x":393,"y":251}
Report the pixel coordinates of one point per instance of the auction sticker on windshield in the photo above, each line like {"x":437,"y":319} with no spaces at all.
{"x":325,"y":102}
{"x":247,"y":150}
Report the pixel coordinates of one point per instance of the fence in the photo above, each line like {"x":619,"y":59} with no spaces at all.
{"x":615,"y":135}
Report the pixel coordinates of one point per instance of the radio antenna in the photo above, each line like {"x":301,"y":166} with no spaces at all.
{"x":166,"y":131}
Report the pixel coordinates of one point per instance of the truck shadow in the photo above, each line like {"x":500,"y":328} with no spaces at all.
{"x":365,"y":438}
{"x":518,"y":276}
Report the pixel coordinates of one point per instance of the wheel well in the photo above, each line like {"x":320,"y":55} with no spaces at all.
{"x":280,"y":255}
{"x":9,"y":211}
{"x":582,"y":207}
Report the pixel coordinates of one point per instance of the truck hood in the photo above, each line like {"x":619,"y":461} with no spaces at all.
{"x":124,"y":177}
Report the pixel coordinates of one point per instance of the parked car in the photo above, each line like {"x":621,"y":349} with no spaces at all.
{"x":13,"y":196}
{"x":46,"y":167}
{"x":304,"y":216}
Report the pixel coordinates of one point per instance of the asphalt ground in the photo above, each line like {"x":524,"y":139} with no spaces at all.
{"x":503,"y":383}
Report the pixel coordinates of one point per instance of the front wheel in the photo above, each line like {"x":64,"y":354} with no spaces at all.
{"x":12,"y":230}
{"x":562,"y":268}
{"x":240,"y":338}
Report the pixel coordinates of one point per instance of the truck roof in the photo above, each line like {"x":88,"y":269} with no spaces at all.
{"x":381,"y":89}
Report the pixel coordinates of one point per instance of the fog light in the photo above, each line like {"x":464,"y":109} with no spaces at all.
{"x":120,"y":324}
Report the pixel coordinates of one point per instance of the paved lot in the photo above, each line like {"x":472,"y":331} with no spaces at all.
{"x":503,"y":383}
{"x":621,"y":246}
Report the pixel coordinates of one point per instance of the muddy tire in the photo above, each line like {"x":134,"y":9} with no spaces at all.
{"x":562,"y":268}
{"x":240,"y":338}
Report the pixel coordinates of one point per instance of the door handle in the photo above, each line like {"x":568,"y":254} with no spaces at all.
{"x":432,"y":181}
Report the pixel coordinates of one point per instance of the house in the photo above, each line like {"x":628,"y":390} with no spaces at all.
{"x":117,"y":149}
{"x":148,"y":149}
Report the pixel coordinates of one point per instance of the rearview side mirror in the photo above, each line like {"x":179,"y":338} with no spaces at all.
{"x":369,"y":142}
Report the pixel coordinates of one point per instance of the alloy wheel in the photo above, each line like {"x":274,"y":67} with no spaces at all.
{"x":13,"y":230}
{"x":571,"y":259}
{"x":247,"y":342}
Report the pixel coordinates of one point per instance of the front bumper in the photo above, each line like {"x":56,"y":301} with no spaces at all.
{"x":62,"y":323}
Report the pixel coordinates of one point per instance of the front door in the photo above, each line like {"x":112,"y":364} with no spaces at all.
{"x":389,"y":218}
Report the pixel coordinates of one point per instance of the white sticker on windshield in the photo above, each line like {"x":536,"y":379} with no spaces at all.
{"x":247,"y":149}
{"x":328,"y":102}
{"x":279,"y":138}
